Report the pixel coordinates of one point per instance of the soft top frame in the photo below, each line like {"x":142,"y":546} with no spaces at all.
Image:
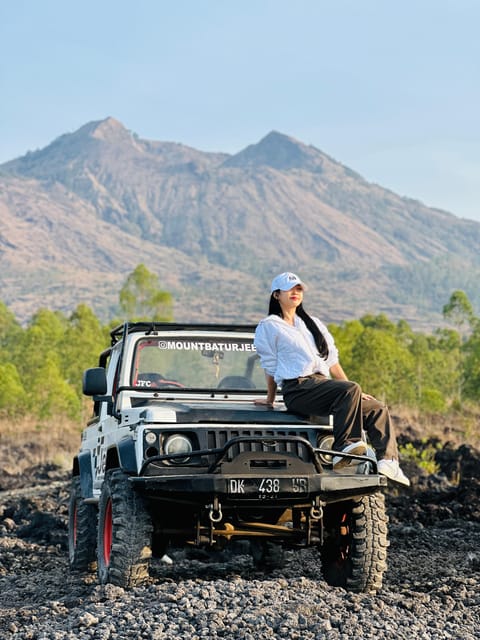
{"x":122,"y":330}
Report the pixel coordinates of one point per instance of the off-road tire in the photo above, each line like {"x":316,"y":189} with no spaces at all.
{"x":124,"y":533}
{"x":82,"y":530}
{"x":356,"y":540}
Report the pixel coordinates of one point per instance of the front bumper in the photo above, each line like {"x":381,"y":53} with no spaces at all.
{"x":282,"y":479}
{"x":281,"y":489}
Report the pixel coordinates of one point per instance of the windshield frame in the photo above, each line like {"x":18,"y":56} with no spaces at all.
{"x":223,"y":361}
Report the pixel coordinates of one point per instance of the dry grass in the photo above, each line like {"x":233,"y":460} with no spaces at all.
{"x":455,"y":427}
{"x":28,"y":442}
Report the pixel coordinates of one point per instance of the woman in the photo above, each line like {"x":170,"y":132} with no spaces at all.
{"x":299,"y":354}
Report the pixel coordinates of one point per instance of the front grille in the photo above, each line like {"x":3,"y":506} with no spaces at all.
{"x":217,"y":438}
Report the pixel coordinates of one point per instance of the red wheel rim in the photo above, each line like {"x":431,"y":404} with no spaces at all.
{"x":74,"y":527}
{"x":107,"y":533}
{"x":345,"y":541}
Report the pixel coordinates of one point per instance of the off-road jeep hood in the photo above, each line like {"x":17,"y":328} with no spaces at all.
{"x":230,"y":412}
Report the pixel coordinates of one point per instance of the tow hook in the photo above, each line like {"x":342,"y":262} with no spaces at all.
{"x":316,"y":513}
{"x":215,"y":510}
{"x":316,"y":510}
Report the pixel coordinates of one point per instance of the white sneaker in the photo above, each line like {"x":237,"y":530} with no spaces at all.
{"x":391,"y":469}
{"x":355,"y":448}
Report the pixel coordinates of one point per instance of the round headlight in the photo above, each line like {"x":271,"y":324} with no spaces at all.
{"x":150,"y":437}
{"x":177,"y":444}
{"x":326,"y":443}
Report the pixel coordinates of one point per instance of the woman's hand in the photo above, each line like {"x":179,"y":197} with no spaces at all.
{"x":271,"y":391}
{"x":367,"y":396}
{"x":264,"y":402}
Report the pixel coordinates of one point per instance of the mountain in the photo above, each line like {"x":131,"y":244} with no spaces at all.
{"x":80,"y":214}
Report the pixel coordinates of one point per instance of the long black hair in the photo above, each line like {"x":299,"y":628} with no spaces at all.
{"x":274,"y":308}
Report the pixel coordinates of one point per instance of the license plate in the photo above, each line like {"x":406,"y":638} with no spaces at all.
{"x":265,"y":488}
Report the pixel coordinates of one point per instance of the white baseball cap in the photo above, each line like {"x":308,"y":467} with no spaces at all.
{"x":286,"y":281}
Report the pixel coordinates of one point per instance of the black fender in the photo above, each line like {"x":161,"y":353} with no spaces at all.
{"x":84,"y":465}
{"x":126,"y":458}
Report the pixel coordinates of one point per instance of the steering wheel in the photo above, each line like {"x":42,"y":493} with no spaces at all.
{"x":167,"y":383}
{"x":154,"y":380}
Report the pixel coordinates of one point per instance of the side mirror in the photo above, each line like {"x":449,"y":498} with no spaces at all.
{"x":95,"y":382}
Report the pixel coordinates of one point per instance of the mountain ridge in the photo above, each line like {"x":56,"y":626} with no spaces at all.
{"x":188,"y":215}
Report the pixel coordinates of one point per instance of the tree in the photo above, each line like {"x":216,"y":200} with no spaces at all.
{"x":10,"y":334}
{"x":471,"y":365}
{"x":141,"y":298}
{"x":459,"y":310}
{"x":43,"y":337}
{"x":50,"y":394}
{"x":83,"y":341}
{"x":383,"y":366}
{"x":9,"y":327}
{"x":345,"y":337}
{"x":12,"y":393}
{"x":379,"y":321}
{"x":435,"y":378}
{"x":38,"y":363}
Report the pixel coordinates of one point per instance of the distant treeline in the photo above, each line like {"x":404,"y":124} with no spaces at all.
{"x":41,"y":365}
{"x":432,"y":373}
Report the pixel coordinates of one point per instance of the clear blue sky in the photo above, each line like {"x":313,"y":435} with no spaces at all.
{"x":389,"y":88}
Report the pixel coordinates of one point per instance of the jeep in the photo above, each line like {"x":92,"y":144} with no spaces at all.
{"x":178,"y":454}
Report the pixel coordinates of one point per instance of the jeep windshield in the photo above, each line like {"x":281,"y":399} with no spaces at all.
{"x":197,"y":362}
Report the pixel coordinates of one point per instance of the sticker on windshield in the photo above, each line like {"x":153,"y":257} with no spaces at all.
{"x":206,"y":346}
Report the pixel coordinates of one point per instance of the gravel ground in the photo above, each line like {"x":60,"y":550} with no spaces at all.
{"x":431,"y":588}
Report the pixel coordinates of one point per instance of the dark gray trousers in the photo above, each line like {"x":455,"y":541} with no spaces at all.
{"x":317,"y":395}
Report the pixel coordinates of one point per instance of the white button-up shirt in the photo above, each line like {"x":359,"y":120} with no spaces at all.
{"x":288,"y":351}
